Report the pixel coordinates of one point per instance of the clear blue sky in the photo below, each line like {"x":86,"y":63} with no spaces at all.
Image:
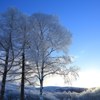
{"x":81,"y":17}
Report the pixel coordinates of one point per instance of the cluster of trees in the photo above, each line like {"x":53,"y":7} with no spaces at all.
{"x":29,"y":47}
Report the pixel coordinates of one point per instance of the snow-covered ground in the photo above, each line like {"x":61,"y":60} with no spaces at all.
{"x":52,"y":93}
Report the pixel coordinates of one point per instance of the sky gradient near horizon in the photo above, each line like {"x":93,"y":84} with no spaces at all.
{"x":82,"y":18}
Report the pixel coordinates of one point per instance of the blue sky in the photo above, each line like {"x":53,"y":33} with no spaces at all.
{"x":81,"y":17}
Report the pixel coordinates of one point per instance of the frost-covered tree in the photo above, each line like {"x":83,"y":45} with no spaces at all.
{"x":23,"y":29}
{"x":39,"y":40}
{"x":49,"y":46}
{"x":8,"y":22}
{"x":14,"y":30}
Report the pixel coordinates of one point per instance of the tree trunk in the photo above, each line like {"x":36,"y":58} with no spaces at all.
{"x":4,"y":78}
{"x":41,"y":89}
{"x":23,"y":76}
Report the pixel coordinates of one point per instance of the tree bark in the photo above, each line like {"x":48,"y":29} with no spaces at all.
{"x":4,"y":77}
{"x":23,"y":76}
{"x":41,"y":89}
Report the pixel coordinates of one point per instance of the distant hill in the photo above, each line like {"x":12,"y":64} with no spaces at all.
{"x":63,"y":89}
{"x":14,"y":87}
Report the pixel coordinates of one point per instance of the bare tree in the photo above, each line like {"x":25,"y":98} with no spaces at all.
{"x":7,"y":44}
{"x":49,"y":46}
{"x":23,"y":32}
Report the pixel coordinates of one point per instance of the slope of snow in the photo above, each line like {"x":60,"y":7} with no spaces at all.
{"x":52,"y":93}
